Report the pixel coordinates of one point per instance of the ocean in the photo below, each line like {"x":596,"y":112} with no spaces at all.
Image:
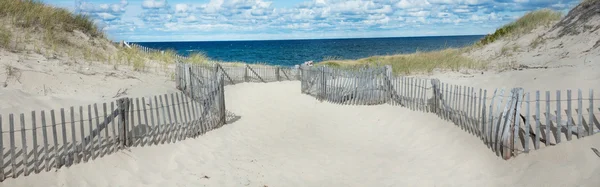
{"x":292,"y":52}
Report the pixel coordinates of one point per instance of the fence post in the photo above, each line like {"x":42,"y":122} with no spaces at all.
{"x":388,"y":82}
{"x":277,"y":73}
{"x":323,"y":84}
{"x":436,"y":96}
{"x":246,"y":73}
{"x":222,"y":101}
{"x":191,"y":92}
{"x":123,"y":105}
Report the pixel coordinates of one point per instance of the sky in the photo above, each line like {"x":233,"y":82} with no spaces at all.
{"x":226,"y":20}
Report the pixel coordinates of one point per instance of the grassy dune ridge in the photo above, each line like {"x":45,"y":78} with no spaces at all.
{"x":453,"y":59}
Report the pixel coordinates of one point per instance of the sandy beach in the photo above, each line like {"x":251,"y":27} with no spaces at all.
{"x":284,"y":138}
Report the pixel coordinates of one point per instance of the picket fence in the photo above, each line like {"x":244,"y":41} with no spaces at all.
{"x":507,"y":122}
{"x":42,"y":140}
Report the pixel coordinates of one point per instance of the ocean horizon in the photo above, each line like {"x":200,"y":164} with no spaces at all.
{"x":296,"y":51}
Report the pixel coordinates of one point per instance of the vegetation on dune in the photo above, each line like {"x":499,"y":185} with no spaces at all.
{"x":525,"y":24}
{"x":34,"y":13}
{"x":420,"y":62}
{"x":5,"y":36}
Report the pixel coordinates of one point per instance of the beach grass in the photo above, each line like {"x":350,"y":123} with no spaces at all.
{"x":525,"y":24}
{"x":34,"y":13}
{"x":5,"y":37}
{"x":419,"y":62}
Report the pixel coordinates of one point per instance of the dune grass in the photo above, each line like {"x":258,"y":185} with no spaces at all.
{"x":5,"y":37}
{"x":525,"y":24}
{"x":420,"y":62}
{"x":34,"y":13}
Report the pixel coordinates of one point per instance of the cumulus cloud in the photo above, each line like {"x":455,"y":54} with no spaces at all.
{"x":154,"y":4}
{"x":103,"y":12}
{"x":262,"y":16}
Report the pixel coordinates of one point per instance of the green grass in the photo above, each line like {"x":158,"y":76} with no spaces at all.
{"x":523,"y":25}
{"x":34,"y":13}
{"x":420,"y":62}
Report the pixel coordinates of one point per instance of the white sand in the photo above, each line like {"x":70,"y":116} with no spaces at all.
{"x":284,"y":138}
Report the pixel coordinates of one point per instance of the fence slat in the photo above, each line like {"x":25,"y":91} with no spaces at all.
{"x":569,"y":117}
{"x":591,"y":113}
{"x":490,"y":126}
{"x":148,"y":128}
{"x":580,"y":127}
{"x":99,"y":144}
{"x":73,"y":137}
{"x":2,"y":176}
{"x":153,"y":127}
{"x":13,"y":148}
{"x":170,"y":125}
{"x":176,"y":125}
{"x":47,"y":164}
{"x":92,"y":147}
{"x":548,"y":118}
{"x":24,"y":151}
{"x":82,"y":151}
{"x":517,"y":118}
{"x":537,"y":120}
{"x":130,"y":126}
{"x":196,"y":121}
{"x":36,"y":155}
{"x":65,"y":146}
{"x":114,"y":140}
{"x":527,"y":125}
{"x":182,"y":123}
{"x":483,"y":119}
{"x":558,"y":118}
{"x":140,"y":137}
{"x":53,"y":118}
{"x":107,"y":119}
{"x":161,"y":129}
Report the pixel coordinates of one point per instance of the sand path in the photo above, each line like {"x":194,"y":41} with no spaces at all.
{"x":284,"y":138}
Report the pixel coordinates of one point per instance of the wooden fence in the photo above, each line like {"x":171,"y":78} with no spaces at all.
{"x":234,"y":73}
{"x":43,"y":140}
{"x":151,"y":50}
{"x":508,"y":121}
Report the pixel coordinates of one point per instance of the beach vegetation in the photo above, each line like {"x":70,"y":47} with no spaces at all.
{"x":34,"y":13}
{"x":197,"y":58}
{"x":5,"y":37}
{"x":419,"y":62}
{"x":523,"y":25}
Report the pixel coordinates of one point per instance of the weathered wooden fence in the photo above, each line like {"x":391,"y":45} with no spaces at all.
{"x":151,"y":50}
{"x":509,"y":121}
{"x":234,"y":73}
{"x":43,"y":140}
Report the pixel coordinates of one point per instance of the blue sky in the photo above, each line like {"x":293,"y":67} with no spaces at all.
{"x":210,"y":20}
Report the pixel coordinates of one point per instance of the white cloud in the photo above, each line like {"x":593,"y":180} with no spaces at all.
{"x":346,"y":16}
{"x":154,"y":4}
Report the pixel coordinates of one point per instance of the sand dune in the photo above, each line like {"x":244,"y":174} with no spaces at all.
{"x":284,"y":138}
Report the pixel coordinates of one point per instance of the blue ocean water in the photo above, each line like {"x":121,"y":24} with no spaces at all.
{"x":292,"y":52}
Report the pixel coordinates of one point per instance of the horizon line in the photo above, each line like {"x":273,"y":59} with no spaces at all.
{"x":291,"y":39}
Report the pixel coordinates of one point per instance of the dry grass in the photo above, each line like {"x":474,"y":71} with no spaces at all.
{"x":420,"y":62}
{"x":525,"y":24}
{"x":33,"y":13}
{"x":5,"y":37}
